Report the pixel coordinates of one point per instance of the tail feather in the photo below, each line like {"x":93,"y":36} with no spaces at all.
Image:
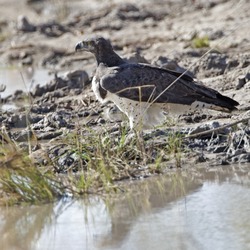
{"x":226,"y":102}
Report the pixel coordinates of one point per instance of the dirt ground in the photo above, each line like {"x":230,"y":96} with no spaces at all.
{"x":209,"y":38}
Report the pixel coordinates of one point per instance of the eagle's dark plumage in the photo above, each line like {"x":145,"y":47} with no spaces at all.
{"x":142,"y":91}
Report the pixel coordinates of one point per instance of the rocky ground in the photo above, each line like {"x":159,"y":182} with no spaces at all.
{"x":209,"y":38}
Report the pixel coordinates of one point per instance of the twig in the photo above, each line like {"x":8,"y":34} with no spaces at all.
{"x":216,"y":129}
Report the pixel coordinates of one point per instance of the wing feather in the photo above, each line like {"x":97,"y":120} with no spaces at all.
{"x":142,"y":82}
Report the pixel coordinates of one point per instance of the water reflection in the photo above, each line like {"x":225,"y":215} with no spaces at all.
{"x":20,"y":227}
{"x":22,"y":79}
{"x":205,"y":209}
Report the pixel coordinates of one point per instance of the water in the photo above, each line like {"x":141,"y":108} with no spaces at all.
{"x":199,"y":210}
{"x":22,"y":79}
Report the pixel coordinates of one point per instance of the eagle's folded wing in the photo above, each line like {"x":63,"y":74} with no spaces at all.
{"x":140,"y":82}
{"x":144,"y":83}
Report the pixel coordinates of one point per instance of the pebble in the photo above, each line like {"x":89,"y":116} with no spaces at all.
{"x":24,"y":25}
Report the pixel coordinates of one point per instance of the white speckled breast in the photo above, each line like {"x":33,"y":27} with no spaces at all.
{"x":141,"y":115}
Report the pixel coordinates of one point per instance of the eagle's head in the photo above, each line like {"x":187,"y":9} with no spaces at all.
{"x":102,"y":49}
{"x":94,"y":45}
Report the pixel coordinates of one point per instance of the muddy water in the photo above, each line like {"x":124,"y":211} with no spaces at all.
{"x":205,"y":209}
{"x":22,"y":79}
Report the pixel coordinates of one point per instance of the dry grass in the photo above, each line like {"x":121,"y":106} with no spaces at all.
{"x":101,"y":161}
{"x":20,"y":180}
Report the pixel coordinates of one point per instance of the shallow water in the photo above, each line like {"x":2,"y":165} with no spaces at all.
{"x":22,"y":79}
{"x":205,"y":209}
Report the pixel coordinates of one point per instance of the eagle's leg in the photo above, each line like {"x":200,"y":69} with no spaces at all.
{"x":135,"y":130}
{"x":136,"y":139}
{"x":130,"y":137}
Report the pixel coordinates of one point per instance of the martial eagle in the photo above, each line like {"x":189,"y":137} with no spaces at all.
{"x":143,"y":91}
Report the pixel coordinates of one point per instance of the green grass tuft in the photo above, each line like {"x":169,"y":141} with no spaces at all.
{"x":101,"y":160}
{"x":200,"y":42}
{"x":20,"y":180}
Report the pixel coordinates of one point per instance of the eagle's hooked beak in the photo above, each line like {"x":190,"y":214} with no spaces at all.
{"x":86,"y":45}
{"x":80,"y":46}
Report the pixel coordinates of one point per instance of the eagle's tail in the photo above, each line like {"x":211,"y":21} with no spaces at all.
{"x":220,"y":103}
{"x":224,"y":103}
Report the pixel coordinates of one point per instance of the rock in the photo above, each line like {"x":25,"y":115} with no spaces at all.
{"x":2,"y":87}
{"x":22,"y":136}
{"x":71,"y":80}
{"x":130,"y":12}
{"x":53,"y":57}
{"x":220,"y":149}
{"x":196,"y":118}
{"x":213,"y":64}
{"x":22,"y":120}
{"x":244,"y":158}
{"x":19,"y":95}
{"x":223,"y":162}
{"x":44,"y":108}
{"x":200,"y":158}
{"x":193,"y":52}
{"x":18,"y":121}
{"x":101,"y":121}
{"x":3,"y":117}
{"x":239,"y":141}
{"x":239,"y":152}
{"x":24,"y":25}
{"x":64,"y":159}
{"x":83,"y":114}
{"x":209,"y":126}
{"x":27,"y":61}
{"x":242,"y":80}
{"x":24,"y":146}
{"x":114,"y":25}
{"x":39,"y":157}
{"x":38,"y":91}
{"x":52,"y":29}
{"x":77,"y":79}
{"x":238,"y":155}
{"x":58,"y":119}
{"x":48,"y":135}
{"x":136,"y":57}
{"x":56,"y":83}
{"x":167,"y":63}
